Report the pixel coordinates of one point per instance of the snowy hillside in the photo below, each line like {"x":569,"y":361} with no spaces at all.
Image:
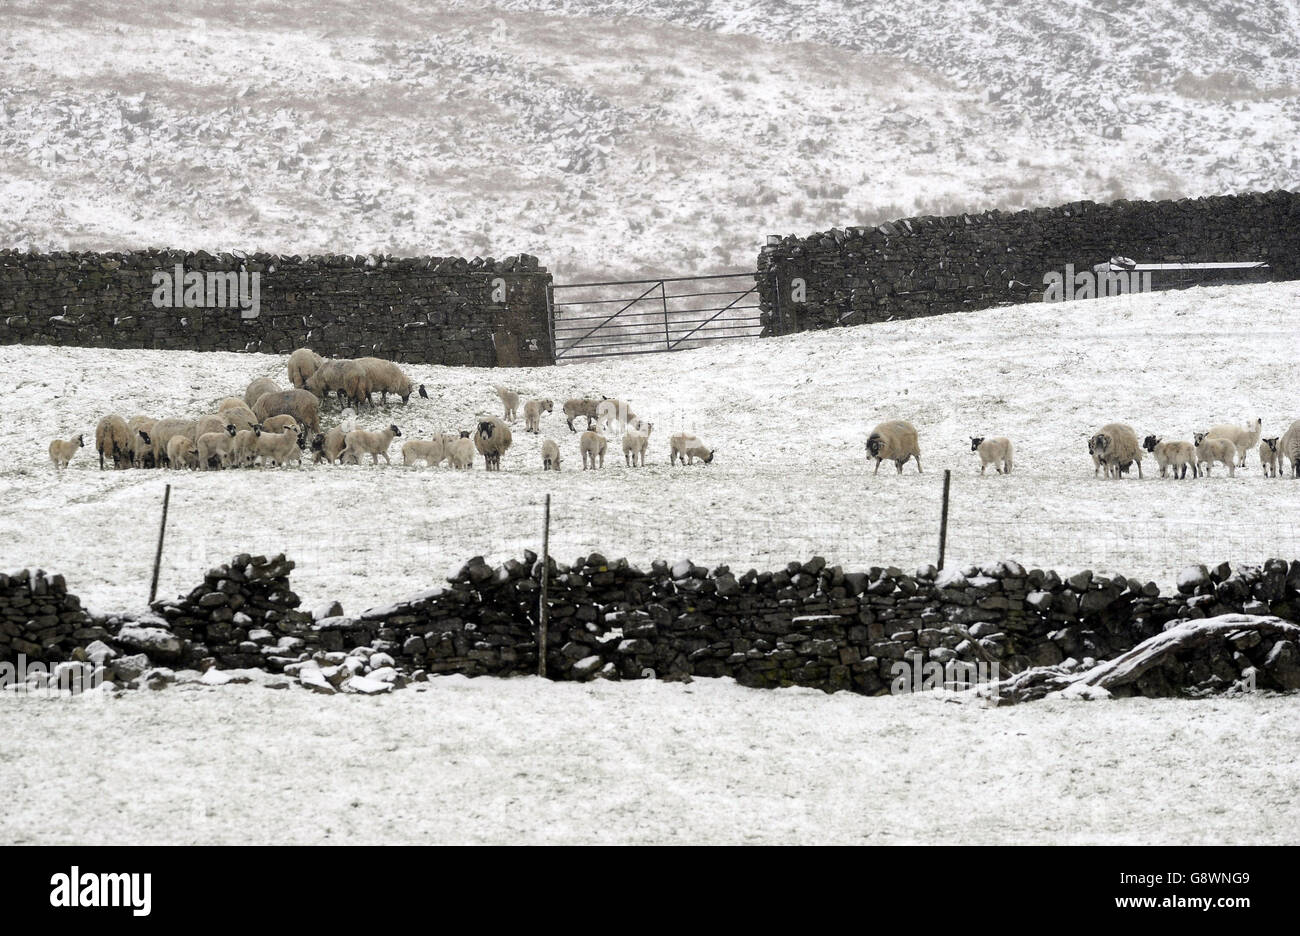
{"x":618,"y":137}
{"x":787,"y":416}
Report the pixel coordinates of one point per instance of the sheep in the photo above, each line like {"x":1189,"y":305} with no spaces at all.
{"x":635,"y":442}
{"x":386,"y":377}
{"x":1096,"y":456}
{"x":510,"y":400}
{"x":533,"y":410}
{"x":245,"y":448}
{"x":302,"y":364}
{"x":1178,"y":455}
{"x":1269,"y":457}
{"x":113,"y":439}
{"x":1117,"y":446}
{"x":1242,"y":439}
{"x":257,"y":388}
{"x":279,"y":423}
{"x":328,"y":445}
{"x":592,"y":445}
{"x":1209,"y":450}
{"x":360,"y":442}
{"x":492,"y":440}
{"x":302,"y":405}
{"x":460,"y":453}
{"x":164,"y":430}
{"x":1292,"y":452}
{"x":139,"y":428}
{"x":550,"y":456}
{"x":579,"y":406}
{"x":329,"y":377}
{"x":996,"y":452}
{"x":182,"y":452}
{"x":61,"y":451}
{"x":432,"y":451}
{"x":280,"y":447}
{"x":894,"y":440}
{"x":235,"y":410}
{"x":610,"y":413}
{"x":218,"y":445}
{"x":685,"y":446}
{"x":210,"y":423}
{"x":1287,"y":448}
{"x":357,"y":386}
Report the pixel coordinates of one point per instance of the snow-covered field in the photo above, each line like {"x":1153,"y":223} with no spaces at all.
{"x":523,"y":761}
{"x":787,"y":416}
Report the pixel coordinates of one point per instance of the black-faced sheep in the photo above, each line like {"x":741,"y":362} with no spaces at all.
{"x":1269,"y":457}
{"x":579,"y":406}
{"x":533,"y":410}
{"x":550,"y":456}
{"x":1117,"y":445}
{"x":894,"y":441}
{"x":61,"y":451}
{"x":302,"y":364}
{"x":302,"y":405}
{"x":112,"y":438}
{"x":688,"y":447}
{"x":995,"y":452}
{"x":139,"y":428}
{"x":257,"y":387}
{"x":1177,"y":455}
{"x":386,"y":377}
{"x":1209,"y":450}
{"x":1243,"y":439}
{"x":215,"y":448}
{"x":328,"y":446}
{"x":360,"y":442}
{"x":635,"y":442}
{"x":492,"y":440}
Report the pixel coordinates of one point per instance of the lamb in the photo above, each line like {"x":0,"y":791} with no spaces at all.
{"x":685,"y":446}
{"x":1269,"y":457}
{"x":112,"y":438}
{"x":996,"y":452}
{"x":432,"y":451}
{"x":1209,"y":450}
{"x":592,"y":445}
{"x":182,"y":452}
{"x":280,"y":423}
{"x":280,"y":447}
{"x":1288,"y":446}
{"x":257,"y":388}
{"x":139,"y":428}
{"x":245,"y":448}
{"x":1117,"y":446}
{"x":302,"y":364}
{"x":1178,"y":455}
{"x":1096,"y":456}
{"x":386,"y":377}
{"x":510,"y":400}
{"x":579,"y":406}
{"x":235,"y":410}
{"x":610,"y":413}
{"x":61,"y":451}
{"x":533,"y":410}
{"x":635,"y":442}
{"x":164,"y":430}
{"x":328,"y":445}
{"x":218,"y":445}
{"x":550,"y":456}
{"x":360,"y":442}
{"x":1243,"y":439}
{"x":894,"y":440}
{"x":460,"y":453}
{"x":492,"y":440}
{"x":302,"y":405}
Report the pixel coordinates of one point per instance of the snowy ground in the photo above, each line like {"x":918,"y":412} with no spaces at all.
{"x":522,"y":761}
{"x":1044,"y":375}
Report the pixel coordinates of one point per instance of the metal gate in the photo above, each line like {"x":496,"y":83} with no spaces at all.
{"x":616,"y":317}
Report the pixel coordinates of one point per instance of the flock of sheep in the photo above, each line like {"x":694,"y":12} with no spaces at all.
{"x":271,"y":425}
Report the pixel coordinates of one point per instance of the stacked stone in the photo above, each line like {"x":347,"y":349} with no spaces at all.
{"x":243,"y":615}
{"x":40,"y":619}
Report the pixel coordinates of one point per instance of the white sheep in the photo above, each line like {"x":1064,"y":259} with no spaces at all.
{"x":533,"y":410}
{"x":995,"y":452}
{"x":635,"y":442}
{"x":245,"y":447}
{"x":302,"y":364}
{"x":896,"y":441}
{"x":182,"y":452}
{"x":1288,"y":446}
{"x":1117,"y":446}
{"x":218,"y":445}
{"x":386,"y":377}
{"x":492,"y":440}
{"x":431,"y":451}
{"x":1269,"y":457}
{"x":61,"y":451}
{"x":579,"y":406}
{"x":1242,"y":439}
{"x":688,"y":447}
{"x":1209,"y":450}
{"x":360,"y":442}
{"x":460,"y":453}
{"x":280,"y":447}
{"x":592,"y":445}
{"x":112,"y":438}
{"x":510,"y":400}
{"x":1177,"y":455}
{"x":550,"y":456}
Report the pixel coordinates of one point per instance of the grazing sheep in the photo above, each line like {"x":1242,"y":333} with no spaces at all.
{"x":164,"y":430}
{"x":995,"y":452}
{"x":216,"y":445}
{"x":611,"y":413}
{"x":280,"y":423}
{"x":460,"y":453}
{"x":280,"y":447}
{"x":510,"y":400}
{"x":550,"y":456}
{"x":896,"y":441}
{"x":245,"y":448}
{"x":112,"y":438}
{"x":432,"y":451}
{"x":635,"y":442}
{"x":533,"y":410}
{"x":579,"y":406}
{"x":592,"y":445}
{"x":329,"y":377}
{"x":139,"y":428}
{"x":1209,"y":450}
{"x":386,"y":377}
{"x":1288,"y":446}
{"x":688,"y":447}
{"x":357,"y":387}
{"x":235,"y":410}
{"x":257,"y":388}
{"x":360,"y":442}
{"x":1269,"y":457}
{"x":492,"y":440}
{"x":61,"y":451}
{"x":302,"y":364}
{"x":1117,"y":445}
{"x":302,"y":405}
{"x":182,"y":452}
{"x":210,"y":423}
{"x":1177,"y":455}
{"x":328,"y":446}
{"x":1242,"y":439}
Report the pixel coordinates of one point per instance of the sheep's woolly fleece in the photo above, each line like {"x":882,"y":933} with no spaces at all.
{"x":788,"y":418}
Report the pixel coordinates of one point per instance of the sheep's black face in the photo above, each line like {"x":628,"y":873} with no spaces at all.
{"x":709,"y":458}
{"x":1149,"y":443}
{"x":396,"y":431}
{"x":464,"y":434}
{"x":318,"y":443}
{"x":1198,"y":437}
{"x":975,"y":443}
{"x":231,"y":429}
{"x":81,"y":443}
{"x":485,"y":430}
{"x":874,"y":445}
